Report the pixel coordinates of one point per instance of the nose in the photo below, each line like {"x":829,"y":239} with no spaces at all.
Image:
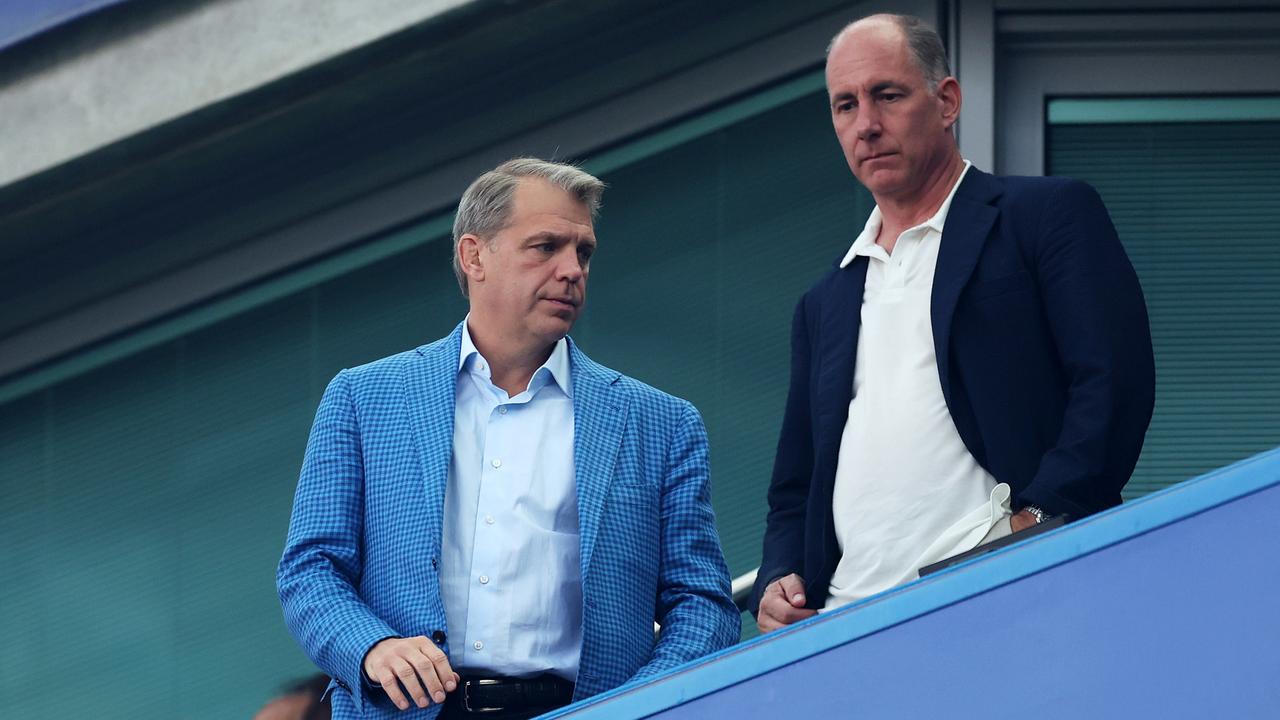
{"x":569,"y":268}
{"x":867,"y":124}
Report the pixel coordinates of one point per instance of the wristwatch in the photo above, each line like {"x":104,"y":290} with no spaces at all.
{"x":1037,"y":513}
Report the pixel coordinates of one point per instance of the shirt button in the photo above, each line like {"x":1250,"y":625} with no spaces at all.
{"x":502,"y":410}
{"x":488,"y":519}
{"x":497,"y":463}
{"x":478,"y":645}
{"x":484,"y":579}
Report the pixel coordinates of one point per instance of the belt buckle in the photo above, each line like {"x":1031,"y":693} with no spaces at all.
{"x":466,"y":696}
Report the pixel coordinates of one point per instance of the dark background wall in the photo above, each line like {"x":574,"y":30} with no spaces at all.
{"x":149,"y":497}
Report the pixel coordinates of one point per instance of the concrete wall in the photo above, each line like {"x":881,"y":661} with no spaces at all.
{"x":144,"y":71}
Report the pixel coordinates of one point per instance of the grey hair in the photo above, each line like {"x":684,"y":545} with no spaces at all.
{"x":923,"y":42}
{"x":485,"y":207}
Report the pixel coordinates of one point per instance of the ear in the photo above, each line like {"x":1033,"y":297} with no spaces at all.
{"x":949,"y":100}
{"x":470,"y":258}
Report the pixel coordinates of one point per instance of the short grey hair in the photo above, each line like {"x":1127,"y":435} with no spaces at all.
{"x":923,"y":42}
{"x":485,"y":207}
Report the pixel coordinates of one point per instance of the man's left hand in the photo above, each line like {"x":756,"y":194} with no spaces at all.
{"x":1022,"y":520}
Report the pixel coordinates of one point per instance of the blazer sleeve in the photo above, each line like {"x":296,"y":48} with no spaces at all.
{"x":694,"y":605}
{"x":1098,"y":318}
{"x":320,"y":570}
{"x":784,"y":534}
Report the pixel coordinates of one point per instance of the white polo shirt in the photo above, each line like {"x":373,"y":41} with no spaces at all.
{"x":907,"y":490}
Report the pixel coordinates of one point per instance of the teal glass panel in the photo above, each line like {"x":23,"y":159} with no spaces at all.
{"x":1095,"y":111}
{"x":147,"y":490}
{"x":1197,"y":206}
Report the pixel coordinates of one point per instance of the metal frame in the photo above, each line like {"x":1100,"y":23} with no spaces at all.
{"x":1045,"y":55}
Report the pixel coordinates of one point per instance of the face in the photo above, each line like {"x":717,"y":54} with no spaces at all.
{"x":528,"y":283}
{"x":894,"y":131}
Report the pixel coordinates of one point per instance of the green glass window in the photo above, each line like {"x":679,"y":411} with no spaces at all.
{"x":147,"y":485}
{"x":1193,"y":185}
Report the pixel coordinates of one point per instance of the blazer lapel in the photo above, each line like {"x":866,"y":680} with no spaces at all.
{"x":599,"y":411}
{"x":969,"y":222}
{"x":430,"y":381}
{"x":839,"y":324}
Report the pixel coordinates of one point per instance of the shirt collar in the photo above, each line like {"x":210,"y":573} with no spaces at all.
{"x":865,"y":243}
{"x":555,"y":369}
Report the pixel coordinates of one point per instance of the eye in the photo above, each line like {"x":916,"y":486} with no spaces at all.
{"x":846,"y":106}
{"x":548,"y":248}
{"x":585,"y":253}
{"x":891,"y":97}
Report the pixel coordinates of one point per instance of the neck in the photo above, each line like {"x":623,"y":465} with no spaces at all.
{"x":900,"y":213}
{"x":511,"y":365}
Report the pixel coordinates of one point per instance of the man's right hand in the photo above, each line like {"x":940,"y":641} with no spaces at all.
{"x":414,"y":663}
{"x":783,"y":604}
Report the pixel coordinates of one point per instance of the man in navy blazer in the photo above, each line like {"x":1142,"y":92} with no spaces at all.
{"x":1020,"y":358}
{"x":491,"y":524}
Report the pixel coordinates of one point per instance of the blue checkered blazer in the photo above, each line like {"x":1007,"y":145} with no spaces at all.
{"x":361,"y":560}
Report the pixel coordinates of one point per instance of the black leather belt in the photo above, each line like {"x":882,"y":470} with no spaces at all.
{"x":498,"y":696}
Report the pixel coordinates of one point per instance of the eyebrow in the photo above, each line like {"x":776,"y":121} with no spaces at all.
{"x":886,"y":85}
{"x":875,"y":89}
{"x":558,"y":237}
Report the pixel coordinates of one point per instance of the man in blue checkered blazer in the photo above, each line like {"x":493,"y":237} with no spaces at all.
{"x":491,"y":524}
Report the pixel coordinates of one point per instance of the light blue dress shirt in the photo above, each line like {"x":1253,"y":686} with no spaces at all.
{"x":510,"y":564}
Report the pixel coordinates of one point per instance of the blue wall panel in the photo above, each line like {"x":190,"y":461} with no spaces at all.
{"x":1165,"y":607}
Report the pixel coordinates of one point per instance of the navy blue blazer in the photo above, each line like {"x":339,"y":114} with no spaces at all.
{"x":1044,"y":354}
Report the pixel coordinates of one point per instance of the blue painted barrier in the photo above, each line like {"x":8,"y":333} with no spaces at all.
{"x":1167,"y":606}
